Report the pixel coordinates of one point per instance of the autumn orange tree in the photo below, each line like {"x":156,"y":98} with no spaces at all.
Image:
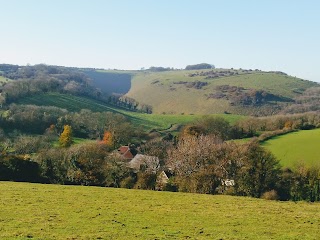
{"x":108,"y":139}
{"x":65,"y":139}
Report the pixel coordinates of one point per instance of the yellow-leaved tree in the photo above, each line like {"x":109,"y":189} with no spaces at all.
{"x":65,"y":139}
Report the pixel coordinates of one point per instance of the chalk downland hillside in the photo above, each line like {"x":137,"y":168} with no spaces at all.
{"x":182,"y":92}
{"x":42,"y":211}
{"x":216,"y":91}
{"x":297,"y":147}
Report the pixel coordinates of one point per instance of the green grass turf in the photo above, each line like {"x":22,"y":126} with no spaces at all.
{"x":3,"y":79}
{"x":75,"y":140}
{"x":295,"y":147}
{"x":41,"y":211}
{"x":147,"y":121}
{"x":158,"y":90}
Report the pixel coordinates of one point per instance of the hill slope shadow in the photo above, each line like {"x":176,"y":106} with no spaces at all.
{"x":110,"y":82}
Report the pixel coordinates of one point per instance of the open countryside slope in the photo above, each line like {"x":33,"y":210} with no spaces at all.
{"x":147,"y":121}
{"x":41,"y":211}
{"x":294,"y":147}
{"x":164,"y":91}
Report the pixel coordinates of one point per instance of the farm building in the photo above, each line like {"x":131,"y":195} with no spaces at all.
{"x":144,"y":162}
{"x":126,"y":153}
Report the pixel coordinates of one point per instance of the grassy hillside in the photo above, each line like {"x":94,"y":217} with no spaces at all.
{"x":164,"y":91}
{"x":41,"y":211}
{"x":297,"y":146}
{"x":148,"y":121}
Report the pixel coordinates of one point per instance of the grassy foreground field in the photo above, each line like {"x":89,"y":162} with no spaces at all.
{"x":297,"y":146}
{"x":75,"y":212}
{"x":147,"y":121}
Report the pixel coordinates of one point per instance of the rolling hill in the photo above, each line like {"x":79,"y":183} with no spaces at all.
{"x":216,"y":91}
{"x":182,"y":92}
{"x":41,"y":211}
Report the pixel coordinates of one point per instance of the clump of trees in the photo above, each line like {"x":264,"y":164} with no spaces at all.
{"x":129,"y":103}
{"x":216,"y":73}
{"x":30,"y":119}
{"x":277,"y":125}
{"x":29,"y":80}
{"x":159,"y":69}
{"x":196,"y":84}
{"x":306,"y":101}
{"x":19,"y":168}
{"x":245,"y":97}
{"x":217,"y":126}
{"x":201,"y":164}
{"x":200,"y":66}
{"x":85,"y":164}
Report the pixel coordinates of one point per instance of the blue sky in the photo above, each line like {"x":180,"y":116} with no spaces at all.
{"x":266,"y":34}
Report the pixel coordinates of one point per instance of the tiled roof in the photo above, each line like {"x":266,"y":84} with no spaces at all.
{"x":125,"y":152}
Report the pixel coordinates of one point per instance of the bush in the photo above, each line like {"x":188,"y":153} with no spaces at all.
{"x":270,"y":195}
{"x":170,"y":186}
{"x":16,"y":168}
{"x":128,"y":182}
{"x":146,"y":181}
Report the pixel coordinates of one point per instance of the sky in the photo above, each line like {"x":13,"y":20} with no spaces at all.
{"x":280,"y":35}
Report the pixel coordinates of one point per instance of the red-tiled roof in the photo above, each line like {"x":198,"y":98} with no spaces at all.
{"x":125,"y":152}
{"x":127,"y":155}
{"x":123,"y":149}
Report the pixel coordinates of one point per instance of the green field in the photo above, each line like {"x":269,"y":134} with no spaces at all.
{"x":297,"y":146}
{"x":158,"y":90}
{"x":147,"y":121}
{"x":40,"y":211}
{"x":3,"y":79}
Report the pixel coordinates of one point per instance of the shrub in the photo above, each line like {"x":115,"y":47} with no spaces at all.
{"x":128,"y":182}
{"x":270,"y":195}
{"x":170,"y":186}
{"x":146,"y":181}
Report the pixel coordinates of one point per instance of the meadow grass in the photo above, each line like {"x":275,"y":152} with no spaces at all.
{"x":295,"y":147}
{"x":3,"y":79}
{"x":40,"y":211}
{"x":147,"y":121}
{"x":75,"y":140}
